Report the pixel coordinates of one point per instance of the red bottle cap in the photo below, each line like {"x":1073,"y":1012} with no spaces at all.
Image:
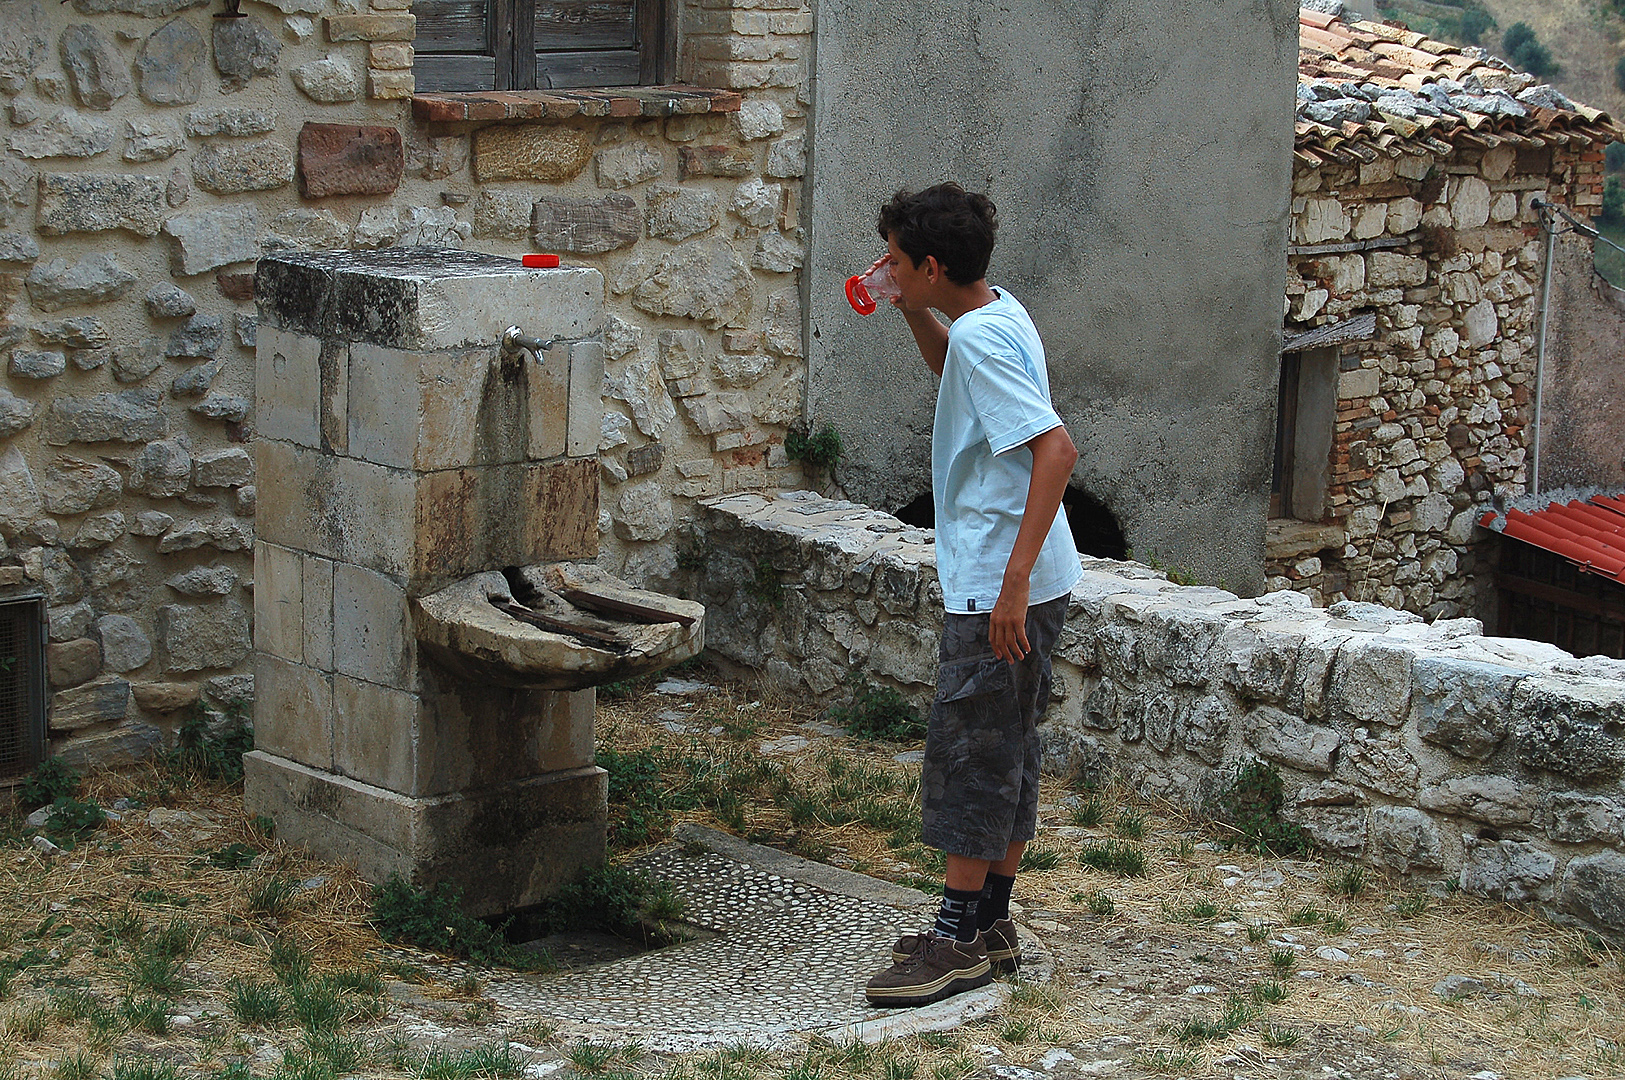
{"x":543,"y":262}
{"x":858,"y":296}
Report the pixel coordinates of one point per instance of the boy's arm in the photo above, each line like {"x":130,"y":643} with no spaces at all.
{"x":930,"y":335}
{"x":1053,"y":457}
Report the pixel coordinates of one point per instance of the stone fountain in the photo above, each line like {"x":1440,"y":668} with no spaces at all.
{"x":428,"y":624}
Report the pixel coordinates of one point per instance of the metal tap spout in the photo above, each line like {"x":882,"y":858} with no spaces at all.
{"x":515,"y":341}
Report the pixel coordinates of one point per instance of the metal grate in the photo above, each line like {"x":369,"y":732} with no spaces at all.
{"x":22,"y":686}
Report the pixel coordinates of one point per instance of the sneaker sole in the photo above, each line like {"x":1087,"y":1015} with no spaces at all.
{"x":1004,"y":961}
{"x":945,"y":987}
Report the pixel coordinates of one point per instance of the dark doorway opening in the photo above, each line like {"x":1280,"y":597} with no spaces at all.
{"x":1095,"y":530}
{"x":920,"y":513}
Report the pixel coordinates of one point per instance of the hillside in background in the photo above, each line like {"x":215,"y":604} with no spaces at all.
{"x":1585,"y":37}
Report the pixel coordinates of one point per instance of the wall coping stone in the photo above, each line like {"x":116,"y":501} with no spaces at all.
{"x":550,"y":105}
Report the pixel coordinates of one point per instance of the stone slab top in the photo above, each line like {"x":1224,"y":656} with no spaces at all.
{"x":544,"y":105}
{"x":425,"y":298}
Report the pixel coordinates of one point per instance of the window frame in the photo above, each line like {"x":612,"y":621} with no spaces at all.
{"x":499,"y":63}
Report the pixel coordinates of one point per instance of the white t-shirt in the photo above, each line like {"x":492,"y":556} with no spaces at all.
{"x":993,"y":399}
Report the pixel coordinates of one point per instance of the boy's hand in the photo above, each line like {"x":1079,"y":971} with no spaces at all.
{"x":1007,"y":626}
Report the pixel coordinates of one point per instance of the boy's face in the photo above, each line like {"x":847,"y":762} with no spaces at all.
{"x":913,"y":281}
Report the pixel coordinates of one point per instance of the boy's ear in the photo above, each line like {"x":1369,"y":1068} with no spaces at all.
{"x":932,"y":268}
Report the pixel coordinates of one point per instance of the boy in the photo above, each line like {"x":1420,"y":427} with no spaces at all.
{"x":1000,"y":461}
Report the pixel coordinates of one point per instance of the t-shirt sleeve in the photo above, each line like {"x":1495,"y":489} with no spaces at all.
{"x":1010,"y":404}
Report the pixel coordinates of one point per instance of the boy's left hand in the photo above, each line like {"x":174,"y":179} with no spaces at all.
{"x":1007,"y":626}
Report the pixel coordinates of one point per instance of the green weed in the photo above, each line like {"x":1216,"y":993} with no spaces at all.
{"x":1113,"y":856}
{"x":1283,"y":960}
{"x":1345,"y":880}
{"x":879,"y":712}
{"x":1251,"y":803}
{"x":1282,"y":1037}
{"x":1308,"y":915}
{"x":1089,"y":813}
{"x":290,"y":963}
{"x":211,"y":753}
{"x":479,"y":1061}
{"x":29,"y":1024}
{"x":1129,"y":824}
{"x":1269,"y":993}
{"x":233,"y":856}
{"x":271,"y":896}
{"x":52,"y":779}
{"x":255,"y":1003}
{"x":819,"y":452}
{"x":1258,"y":932}
{"x":1164,"y":1060}
{"x":144,"y":1069}
{"x":146,"y":1013}
{"x":79,"y":1065}
{"x":1039,"y":858}
{"x":1412,"y":904}
{"x":72,"y":820}
{"x":434,"y":919}
{"x":1098,"y":901}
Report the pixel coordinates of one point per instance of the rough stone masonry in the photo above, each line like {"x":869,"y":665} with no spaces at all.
{"x":151,"y":154}
{"x":1427,"y":749}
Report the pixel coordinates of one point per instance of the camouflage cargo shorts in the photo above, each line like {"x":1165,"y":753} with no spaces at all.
{"x":979,"y":783}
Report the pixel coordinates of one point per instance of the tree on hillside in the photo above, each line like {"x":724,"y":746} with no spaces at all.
{"x":1613,"y":202}
{"x":1614,"y":157}
{"x":1524,"y":50}
{"x":1475,"y":22}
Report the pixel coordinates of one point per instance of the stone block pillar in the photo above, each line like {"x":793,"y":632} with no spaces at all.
{"x":399,"y":451}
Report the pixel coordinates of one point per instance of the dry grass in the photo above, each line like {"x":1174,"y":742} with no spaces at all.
{"x":73,"y":915}
{"x":1557,"y":1006}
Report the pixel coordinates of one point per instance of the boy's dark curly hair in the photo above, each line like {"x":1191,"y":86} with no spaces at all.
{"x":947,"y":221}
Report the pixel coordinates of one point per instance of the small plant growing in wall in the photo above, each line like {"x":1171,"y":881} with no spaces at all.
{"x":765,"y":585}
{"x":1250,"y":803}
{"x":819,"y":453}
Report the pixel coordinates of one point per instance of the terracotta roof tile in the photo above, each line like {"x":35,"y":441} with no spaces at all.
{"x":1361,"y":81}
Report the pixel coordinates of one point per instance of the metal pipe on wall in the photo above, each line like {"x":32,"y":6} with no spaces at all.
{"x":1541,"y":206}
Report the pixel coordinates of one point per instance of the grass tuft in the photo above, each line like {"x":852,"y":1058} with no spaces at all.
{"x":1113,"y":856}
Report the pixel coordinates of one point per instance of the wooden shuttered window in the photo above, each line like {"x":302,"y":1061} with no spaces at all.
{"x":536,"y":44}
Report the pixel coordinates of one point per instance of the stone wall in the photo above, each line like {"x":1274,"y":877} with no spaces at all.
{"x":1433,"y":408}
{"x":1426,"y":749}
{"x":153,"y":153}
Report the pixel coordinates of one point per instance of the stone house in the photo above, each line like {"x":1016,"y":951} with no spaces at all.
{"x":1413,"y":313}
{"x":155,"y":149}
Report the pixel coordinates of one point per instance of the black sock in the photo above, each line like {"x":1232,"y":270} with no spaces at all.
{"x":957,"y":917}
{"x":995,"y":901}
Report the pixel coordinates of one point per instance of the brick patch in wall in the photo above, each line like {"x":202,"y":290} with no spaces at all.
{"x":343,"y":159}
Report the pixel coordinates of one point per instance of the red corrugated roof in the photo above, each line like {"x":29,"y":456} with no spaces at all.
{"x":1589,"y":534}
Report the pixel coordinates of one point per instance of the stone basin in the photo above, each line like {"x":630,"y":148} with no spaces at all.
{"x":557,"y":626}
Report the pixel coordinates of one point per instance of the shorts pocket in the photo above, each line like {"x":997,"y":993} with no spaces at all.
{"x":962,"y":679}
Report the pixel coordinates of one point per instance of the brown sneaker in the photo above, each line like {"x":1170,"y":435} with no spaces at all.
{"x":1003,"y":946}
{"x":936,"y":968}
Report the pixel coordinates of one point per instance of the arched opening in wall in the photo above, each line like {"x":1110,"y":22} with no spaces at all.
{"x":1095,"y":530}
{"x":921,"y":512}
